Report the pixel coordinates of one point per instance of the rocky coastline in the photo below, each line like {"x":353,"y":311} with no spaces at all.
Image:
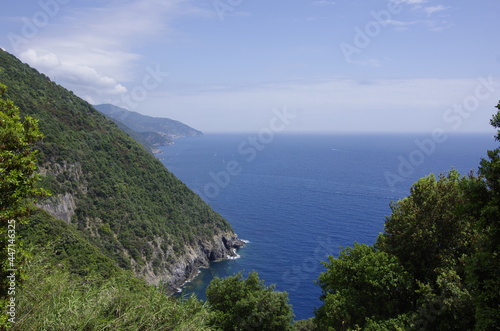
{"x":223,"y":247}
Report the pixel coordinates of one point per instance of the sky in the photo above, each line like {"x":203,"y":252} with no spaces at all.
{"x":295,"y":66}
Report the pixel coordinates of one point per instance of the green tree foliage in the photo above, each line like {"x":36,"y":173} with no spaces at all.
{"x":126,"y":203}
{"x":304,"y":325}
{"x":433,"y":227}
{"x":18,"y":176}
{"x":247,"y":304}
{"x":433,"y":233}
{"x":68,"y":247}
{"x":414,"y":277}
{"x":362,"y":283}
{"x":18,"y":161}
{"x":130,"y":212}
{"x":484,"y":268}
{"x":445,"y":304}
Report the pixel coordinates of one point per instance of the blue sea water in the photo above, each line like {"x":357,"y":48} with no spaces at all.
{"x":299,"y":198}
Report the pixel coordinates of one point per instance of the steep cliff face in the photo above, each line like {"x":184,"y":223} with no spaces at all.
{"x":221,"y":247}
{"x":62,"y":205}
{"x":112,"y":190}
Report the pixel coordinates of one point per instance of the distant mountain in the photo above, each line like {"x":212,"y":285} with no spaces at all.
{"x":155,"y":131}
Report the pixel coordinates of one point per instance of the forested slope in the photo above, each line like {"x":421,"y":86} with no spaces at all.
{"x":111,"y":190}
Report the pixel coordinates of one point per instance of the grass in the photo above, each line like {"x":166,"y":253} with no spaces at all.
{"x":53,"y":299}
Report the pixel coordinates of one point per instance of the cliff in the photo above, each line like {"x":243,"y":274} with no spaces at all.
{"x":111,"y":191}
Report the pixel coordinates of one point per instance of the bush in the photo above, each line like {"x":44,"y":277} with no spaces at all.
{"x":247,"y":304}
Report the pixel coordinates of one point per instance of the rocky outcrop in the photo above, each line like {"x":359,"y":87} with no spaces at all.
{"x":63,"y":205}
{"x":60,"y":206}
{"x":186,"y":267}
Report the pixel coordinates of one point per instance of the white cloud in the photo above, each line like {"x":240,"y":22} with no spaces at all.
{"x":105,"y":38}
{"x":90,"y":50}
{"x":418,"y":11}
{"x":84,"y":79}
{"x":368,"y":62}
{"x":432,"y":25}
{"x":419,"y":5}
{"x":323,"y":3}
{"x":414,"y":3}
{"x":411,"y":2}
{"x":402,"y":25}
{"x":434,"y":9}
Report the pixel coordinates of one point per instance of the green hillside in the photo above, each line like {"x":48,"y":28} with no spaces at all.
{"x":140,"y":138}
{"x":109,"y":189}
{"x":156,"y":131}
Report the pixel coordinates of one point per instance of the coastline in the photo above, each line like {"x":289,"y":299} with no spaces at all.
{"x":234,"y":256}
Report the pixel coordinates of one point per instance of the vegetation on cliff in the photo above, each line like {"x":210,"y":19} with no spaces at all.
{"x":18,"y":177}
{"x":79,"y":273}
{"x":115,"y":194}
{"x":53,"y":278}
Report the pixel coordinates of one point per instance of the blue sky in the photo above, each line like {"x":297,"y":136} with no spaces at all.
{"x":230,"y":65}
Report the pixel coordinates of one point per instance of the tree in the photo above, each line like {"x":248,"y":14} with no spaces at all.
{"x":18,"y":176}
{"x":18,"y":160}
{"x":304,"y":325}
{"x":414,"y":275}
{"x":362,"y":284}
{"x":248,"y":304}
{"x":484,"y":267}
{"x":445,"y":304}
{"x":433,"y":233}
{"x":433,"y":227}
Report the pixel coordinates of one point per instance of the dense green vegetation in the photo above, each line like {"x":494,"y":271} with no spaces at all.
{"x":483,"y":271}
{"x":68,"y":283}
{"x":362,"y":282}
{"x":247,"y":304}
{"x":126,"y":203}
{"x":18,"y":174}
{"x":18,"y":159}
{"x":54,"y":299}
{"x":139,"y":137}
{"x":63,"y":281}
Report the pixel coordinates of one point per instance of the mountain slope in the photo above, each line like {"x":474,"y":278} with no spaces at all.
{"x":111,"y":190}
{"x":141,"y":139}
{"x":156,"y":130}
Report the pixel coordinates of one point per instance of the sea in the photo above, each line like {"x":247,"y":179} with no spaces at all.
{"x":299,"y":198}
